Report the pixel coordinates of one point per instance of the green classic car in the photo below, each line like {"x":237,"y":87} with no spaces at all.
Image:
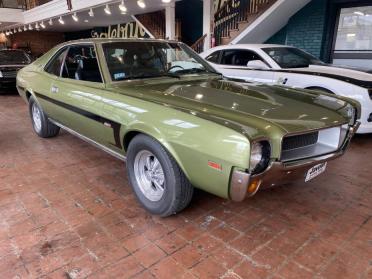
{"x":178,"y":124}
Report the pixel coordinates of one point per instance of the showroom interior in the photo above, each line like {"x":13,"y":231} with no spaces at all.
{"x":186,"y":139}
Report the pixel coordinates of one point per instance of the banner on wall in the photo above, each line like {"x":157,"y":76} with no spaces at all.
{"x":123,"y":31}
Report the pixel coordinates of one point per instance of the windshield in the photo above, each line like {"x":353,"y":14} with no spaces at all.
{"x":289,"y":57}
{"x":13,"y":57}
{"x":131,"y":60}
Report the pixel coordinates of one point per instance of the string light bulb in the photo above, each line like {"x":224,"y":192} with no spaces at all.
{"x":75,"y":17}
{"x":141,"y":4}
{"x":122,"y":7}
{"x":107,"y":9}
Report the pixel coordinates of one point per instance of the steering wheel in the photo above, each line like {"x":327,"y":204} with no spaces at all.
{"x":174,"y":67}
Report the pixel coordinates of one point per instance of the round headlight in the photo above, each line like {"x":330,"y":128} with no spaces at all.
{"x":256,"y":156}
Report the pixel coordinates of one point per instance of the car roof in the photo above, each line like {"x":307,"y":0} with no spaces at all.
{"x":111,"y":40}
{"x":249,"y":46}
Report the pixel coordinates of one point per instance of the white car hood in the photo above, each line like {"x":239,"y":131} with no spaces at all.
{"x":357,"y":74}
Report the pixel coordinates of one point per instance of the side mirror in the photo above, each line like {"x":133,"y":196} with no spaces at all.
{"x":257,"y":65}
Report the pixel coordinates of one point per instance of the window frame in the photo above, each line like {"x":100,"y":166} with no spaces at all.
{"x":55,"y":56}
{"x":64,"y":61}
{"x":242,"y":49}
{"x":220,"y":51}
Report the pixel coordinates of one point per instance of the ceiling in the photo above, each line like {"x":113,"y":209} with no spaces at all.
{"x":100,"y":18}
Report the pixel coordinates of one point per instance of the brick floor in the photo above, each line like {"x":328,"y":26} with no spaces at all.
{"x":66,"y":211}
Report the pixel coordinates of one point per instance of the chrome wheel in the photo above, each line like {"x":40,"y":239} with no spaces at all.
{"x":36,"y":117}
{"x":149,"y":175}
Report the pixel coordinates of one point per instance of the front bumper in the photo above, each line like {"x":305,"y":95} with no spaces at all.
{"x":243,"y":185}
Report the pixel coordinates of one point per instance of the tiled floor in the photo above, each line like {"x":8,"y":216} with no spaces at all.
{"x":66,"y":211}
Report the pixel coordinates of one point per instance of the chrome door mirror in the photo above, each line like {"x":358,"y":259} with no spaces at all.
{"x":257,"y":65}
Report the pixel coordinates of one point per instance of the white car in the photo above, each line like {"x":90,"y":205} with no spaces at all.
{"x":289,"y":66}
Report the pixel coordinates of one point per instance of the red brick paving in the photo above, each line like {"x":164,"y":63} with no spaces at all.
{"x":66,"y":211}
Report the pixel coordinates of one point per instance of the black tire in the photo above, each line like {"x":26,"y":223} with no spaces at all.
{"x":177,"y":189}
{"x":46,"y":128}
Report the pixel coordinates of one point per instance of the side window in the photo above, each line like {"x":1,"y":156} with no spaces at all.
{"x":214,"y":57}
{"x":81,"y":64}
{"x":236,"y":57}
{"x":55,"y":65}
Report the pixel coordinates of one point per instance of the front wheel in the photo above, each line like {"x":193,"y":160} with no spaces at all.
{"x":41,"y":124}
{"x":158,"y":182}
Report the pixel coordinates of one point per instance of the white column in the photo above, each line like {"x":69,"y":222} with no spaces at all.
{"x":170,"y":21}
{"x":207,"y":22}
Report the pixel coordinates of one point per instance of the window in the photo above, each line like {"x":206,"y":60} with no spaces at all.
{"x":14,"y":57}
{"x":290,"y":57}
{"x":81,"y":64}
{"x":214,"y":57}
{"x":354,"y":29}
{"x":134,"y":60}
{"x":55,"y":64}
{"x":238,"y":57}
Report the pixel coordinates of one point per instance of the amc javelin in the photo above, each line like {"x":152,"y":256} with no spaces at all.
{"x":179,"y":125}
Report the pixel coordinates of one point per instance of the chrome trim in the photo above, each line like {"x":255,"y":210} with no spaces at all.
{"x":88,"y":140}
{"x":279,"y":173}
{"x":239,"y":185}
{"x":307,"y":132}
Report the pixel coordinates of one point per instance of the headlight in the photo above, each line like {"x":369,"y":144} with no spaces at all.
{"x":260,"y":157}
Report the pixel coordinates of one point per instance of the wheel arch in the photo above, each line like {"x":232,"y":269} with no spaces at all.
{"x":154,"y":133}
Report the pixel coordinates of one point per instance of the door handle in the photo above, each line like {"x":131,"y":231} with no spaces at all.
{"x":54,"y":89}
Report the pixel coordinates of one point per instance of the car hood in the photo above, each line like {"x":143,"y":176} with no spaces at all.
{"x":246,"y":105}
{"x":356,"y":76}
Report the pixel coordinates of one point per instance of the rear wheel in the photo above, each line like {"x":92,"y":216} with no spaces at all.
{"x":157,"y":180}
{"x":41,"y":124}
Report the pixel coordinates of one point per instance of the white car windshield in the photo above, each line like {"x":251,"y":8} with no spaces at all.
{"x":289,"y":57}
{"x":135,"y":60}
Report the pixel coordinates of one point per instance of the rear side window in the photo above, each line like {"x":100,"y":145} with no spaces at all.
{"x":238,"y":57}
{"x":214,"y":57}
{"x":81,"y":64}
{"x":54,"y":66}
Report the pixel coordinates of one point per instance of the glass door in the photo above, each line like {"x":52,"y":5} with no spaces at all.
{"x":353,"y":42}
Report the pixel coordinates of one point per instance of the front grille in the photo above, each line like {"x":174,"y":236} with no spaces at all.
{"x":313,"y":144}
{"x":298,"y":141}
{"x":9,"y":74}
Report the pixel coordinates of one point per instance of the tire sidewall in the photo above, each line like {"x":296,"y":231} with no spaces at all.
{"x":162,"y":206}
{"x":43,"y":124}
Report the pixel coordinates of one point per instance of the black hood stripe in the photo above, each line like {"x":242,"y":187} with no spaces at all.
{"x":361,"y":83}
{"x":114,"y":125}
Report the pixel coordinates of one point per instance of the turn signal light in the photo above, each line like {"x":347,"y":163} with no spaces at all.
{"x":253,"y":187}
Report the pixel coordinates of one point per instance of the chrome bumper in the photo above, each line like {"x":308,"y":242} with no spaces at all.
{"x":243,"y":185}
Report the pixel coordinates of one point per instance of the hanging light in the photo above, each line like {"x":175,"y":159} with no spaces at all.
{"x":166,"y":1}
{"x":19,"y":29}
{"x":107,"y":10}
{"x":25,"y":28}
{"x":75,"y":17}
{"x":15,"y":30}
{"x":50,"y":22}
{"x":60,"y":20}
{"x":37,"y":25}
{"x":122,"y":7}
{"x":91,"y":13}
{"x":30,"y":27}
{"x":141,"y":4}
{"x":42,"y":24}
